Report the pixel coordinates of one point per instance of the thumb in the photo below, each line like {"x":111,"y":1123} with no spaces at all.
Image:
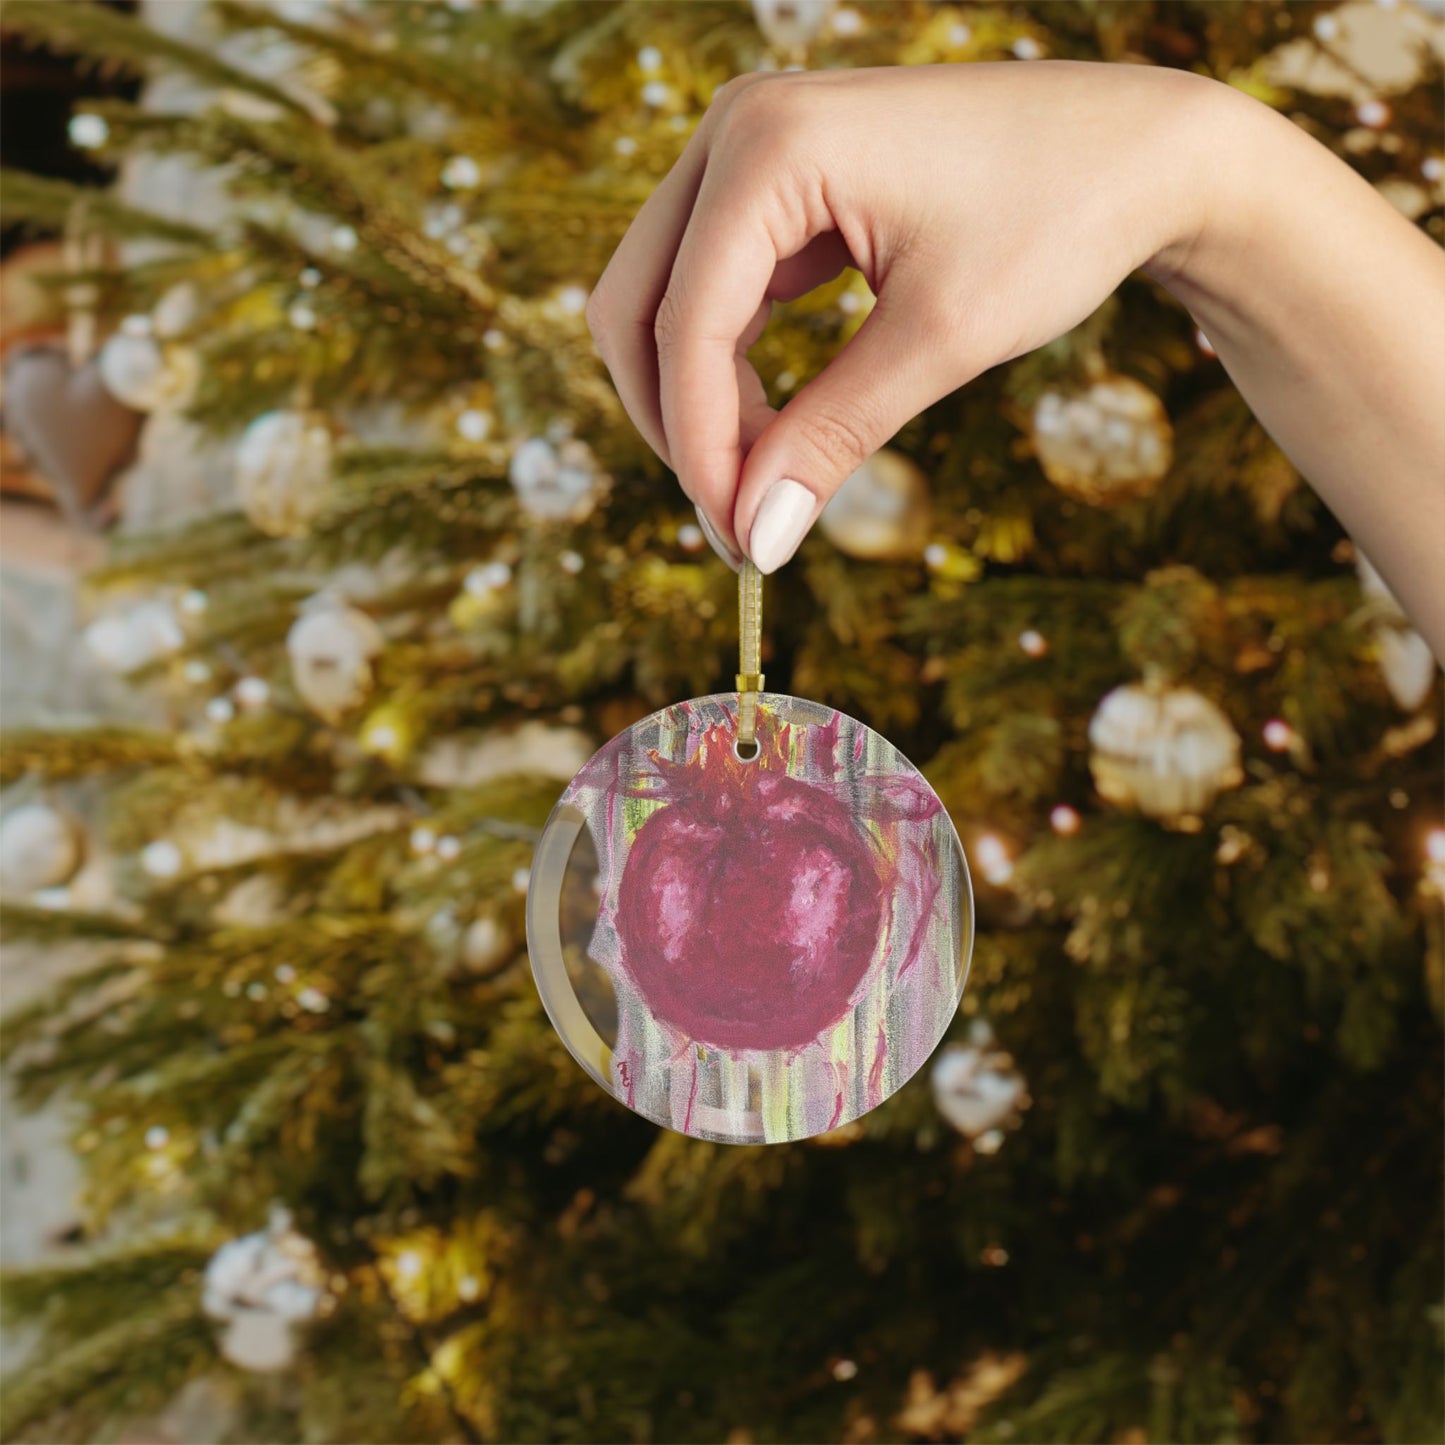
{"x":901,"y":360}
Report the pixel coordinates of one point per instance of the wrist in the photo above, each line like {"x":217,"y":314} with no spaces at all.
{"x":1221,"y":145}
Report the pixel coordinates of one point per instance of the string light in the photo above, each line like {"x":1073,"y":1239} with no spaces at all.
{"x":423,"y":840}
{"x":1373,"y":113}
{"x":474,"y":425}
{"x":220,"y":710}
{"x":380,"y":738}
{"x":161,"y":859}
{"x":284,"y":973}
{"x":572,"y":300}
{"x":461,"y":173}
{"x":449,"y":849}
{"x":489,"y":577}
{"x":313,"y":1000}
{"x":408,"y":1264}
{"x":88,"y":132}
{"x":521,"y":878}
{"x":157,"y":1136}
{"x":1033,"y":642}
{"x":649,"y":58}
{"x":689,"y":537}
{"x":845,"y":1370}
{"x":1278,"y":735}
{"x":344,"y":238}
{"x":253,"y":692}
{"x":1064,"y":820}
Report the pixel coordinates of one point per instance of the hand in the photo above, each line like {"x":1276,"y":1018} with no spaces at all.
{"x":990,"y":208}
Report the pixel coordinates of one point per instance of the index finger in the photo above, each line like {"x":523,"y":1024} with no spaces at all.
{"x":718,"y":287}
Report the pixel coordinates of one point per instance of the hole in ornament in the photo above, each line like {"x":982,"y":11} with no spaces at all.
{"x":746,"y":752}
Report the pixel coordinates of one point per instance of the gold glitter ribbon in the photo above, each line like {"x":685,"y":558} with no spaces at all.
{"x":750,"y":649}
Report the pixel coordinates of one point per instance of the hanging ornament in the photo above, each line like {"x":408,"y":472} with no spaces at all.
{"x":141,"y":373}
{"x":136,"y":636}
{"x":881,"y":513}
{"x":331,"y":647}
{"x":261,"y":1287}
{"x":283,"y":470}
{"x":1406,"y":661}
{"x":1165,"y":751}
{"x":1109,"y":443}
{"x":791,"y":26}
{"x":40,"y":847}
{"x":749,"y":916}
{"x":555,"y":481}
{"x":977,"y":1088}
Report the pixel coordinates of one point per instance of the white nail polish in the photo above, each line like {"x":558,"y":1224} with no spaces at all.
{"x":782,"y":522}
{"x":715,"y":541}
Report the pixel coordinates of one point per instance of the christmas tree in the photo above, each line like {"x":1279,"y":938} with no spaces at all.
{"x":1176,"y":1175}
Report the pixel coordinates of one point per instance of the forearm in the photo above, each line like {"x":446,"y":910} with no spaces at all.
{"x":1327,"y":309}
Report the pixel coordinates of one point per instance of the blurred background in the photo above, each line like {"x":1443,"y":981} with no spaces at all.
{"x":329,"y":556}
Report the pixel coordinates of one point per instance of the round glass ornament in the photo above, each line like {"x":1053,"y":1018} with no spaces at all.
{"x":750,"y":948}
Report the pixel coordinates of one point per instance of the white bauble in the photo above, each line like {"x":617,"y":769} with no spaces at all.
{"x":1406,"y":661}
{"x":1110,"y":442}
{"x":792,"y":25}
{"x":976,"y":1086}
{"x":139,"y":372}
{"x":135,"y":637}
{"x":555,"y":482}
{"x":331,"y":647}
{"x":283,"y":470}
{"x":40,"y":847}
{"x":881,"y":512}
{"x":258,"y":1341}
{"x":486,"y":945}
{"x":1166,"y":752}
{"x":261,"y":1286}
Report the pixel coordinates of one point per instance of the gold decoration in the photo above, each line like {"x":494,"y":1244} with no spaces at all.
{"x":1165,"y":752}
{"x":881,"y":513}
{"x":1110,"y":442}
{"x":331,"y":647}
{"x":283,"y":470}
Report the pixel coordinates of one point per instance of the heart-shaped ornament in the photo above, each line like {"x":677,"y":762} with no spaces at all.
{"x":74,"y":431}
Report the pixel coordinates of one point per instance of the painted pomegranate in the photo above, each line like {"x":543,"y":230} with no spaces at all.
{"x":750,"y":906}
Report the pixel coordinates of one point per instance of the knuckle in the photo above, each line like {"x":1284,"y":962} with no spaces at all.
{"x":764,"y":114}
{"x":667,"y":325}
{"x":597,"y":316}
{"x":840,"y":441}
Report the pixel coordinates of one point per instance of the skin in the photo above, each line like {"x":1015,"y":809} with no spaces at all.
{"x":992,"y":207}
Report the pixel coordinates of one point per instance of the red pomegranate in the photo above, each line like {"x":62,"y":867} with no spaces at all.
{"x":750,"y":905}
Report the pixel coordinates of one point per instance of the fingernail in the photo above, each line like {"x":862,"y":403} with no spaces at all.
{"x":715,"y":541}
{"x":781,"y":524}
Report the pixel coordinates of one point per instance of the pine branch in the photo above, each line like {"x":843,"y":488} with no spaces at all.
{"x":82,"y":752}
{"x":51,"y":204}
{"x":119,"y":42}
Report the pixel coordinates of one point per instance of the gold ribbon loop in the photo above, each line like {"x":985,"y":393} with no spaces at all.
{"x":750,"y":648}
